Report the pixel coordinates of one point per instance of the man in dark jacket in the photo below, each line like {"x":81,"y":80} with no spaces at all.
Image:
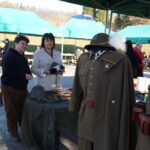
{"x":15,"y":76}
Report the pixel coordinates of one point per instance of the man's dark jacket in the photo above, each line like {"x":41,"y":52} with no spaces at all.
{"x":14,"y":68}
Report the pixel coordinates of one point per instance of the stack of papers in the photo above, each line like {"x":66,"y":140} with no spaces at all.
{"x":142,"y":84}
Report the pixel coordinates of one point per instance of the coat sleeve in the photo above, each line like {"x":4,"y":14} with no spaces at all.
{"x":132,"y":100}
{"x":128,"y":133}
{"x":77,"y":92}
{"x":35,"y":68}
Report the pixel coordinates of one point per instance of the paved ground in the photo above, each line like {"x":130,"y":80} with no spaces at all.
{"x":5,"y":141}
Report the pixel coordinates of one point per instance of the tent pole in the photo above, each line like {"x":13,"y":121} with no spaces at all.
{"x":62,"y":46}
{"x":110,"y":23}
{"x":4,"y":36}
{"x":106,"y":20}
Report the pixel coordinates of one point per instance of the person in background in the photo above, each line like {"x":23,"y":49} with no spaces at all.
{"x":44,"y":60}
{"x":133,"y":58}
{"x":37,"y":49}
{"x":2,"y":44}
{"x":140,"y":55}
{"x":6,"y":47}
{"x":7,"y":44}
{"x":15,"y":76}
{"x":78,"y":53}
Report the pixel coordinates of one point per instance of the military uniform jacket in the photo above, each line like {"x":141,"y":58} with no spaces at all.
{"x":109,"y":82}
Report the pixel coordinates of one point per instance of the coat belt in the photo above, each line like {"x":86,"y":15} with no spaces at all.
{"x":90,"y":103}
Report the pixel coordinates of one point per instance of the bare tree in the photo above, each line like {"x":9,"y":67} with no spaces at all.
{"x":55,"y":18}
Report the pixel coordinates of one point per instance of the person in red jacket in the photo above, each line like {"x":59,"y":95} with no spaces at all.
{"x":140,"y":55}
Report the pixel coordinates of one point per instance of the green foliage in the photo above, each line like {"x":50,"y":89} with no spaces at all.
{"x":126,"y":21}
{"x":11,"y":44}
{"x":97,"y":14}
{"x":121,"y":21}
{"x":88,"y":11}
{"x":31,"y":48}
{"x":67,"y":48}
{"x":117,"y":22}
{"x":101,"y":16}
{"x":148,"y":64}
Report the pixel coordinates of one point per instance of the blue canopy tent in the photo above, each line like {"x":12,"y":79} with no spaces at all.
{"x":84,"y":16}
{"x":80,"y":29}
{"x":26,"y":22}
{"x":139,"y":33}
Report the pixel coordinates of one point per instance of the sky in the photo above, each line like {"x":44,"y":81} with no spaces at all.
{"x":49,"y":4}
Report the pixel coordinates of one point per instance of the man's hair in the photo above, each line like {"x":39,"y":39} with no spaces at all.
{"x":129,"y":46}
{"x":21,"y":37}
{"x":7,"y":40}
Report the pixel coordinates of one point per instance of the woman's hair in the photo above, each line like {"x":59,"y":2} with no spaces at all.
{"x":47,"y":36}
{"x":129,"y":46}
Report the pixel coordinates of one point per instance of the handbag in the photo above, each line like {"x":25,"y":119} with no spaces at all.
{"x":55,"y":68}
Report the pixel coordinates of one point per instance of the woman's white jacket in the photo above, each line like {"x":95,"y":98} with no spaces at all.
{"x":42,"y":61}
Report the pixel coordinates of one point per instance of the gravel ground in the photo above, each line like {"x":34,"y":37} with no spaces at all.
{"x":5,"y":140}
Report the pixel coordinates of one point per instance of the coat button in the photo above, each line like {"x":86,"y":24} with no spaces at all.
{"x":92,"y":68}
{"x":107,"y":66}
{"x":91,"y":76}
{"x":113,"y":101}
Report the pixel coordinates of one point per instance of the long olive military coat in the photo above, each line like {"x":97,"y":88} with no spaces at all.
{"x":143,"y":142}
{"x":108,"y":82}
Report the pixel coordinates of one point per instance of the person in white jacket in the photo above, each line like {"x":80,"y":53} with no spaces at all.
{"x":43,"y":60}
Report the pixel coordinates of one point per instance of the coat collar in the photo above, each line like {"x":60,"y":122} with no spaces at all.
{"x":111,"y":59}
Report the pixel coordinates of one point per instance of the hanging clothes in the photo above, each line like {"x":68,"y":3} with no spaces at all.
{"x":108,"y":83}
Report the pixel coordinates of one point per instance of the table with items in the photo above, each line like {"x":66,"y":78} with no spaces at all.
{"x":141,"y":115}
{"x":44,"y":117}
{"x":141,"y":88}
